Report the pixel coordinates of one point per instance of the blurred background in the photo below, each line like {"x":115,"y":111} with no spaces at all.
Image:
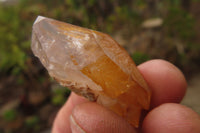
{"x":148,"y":29}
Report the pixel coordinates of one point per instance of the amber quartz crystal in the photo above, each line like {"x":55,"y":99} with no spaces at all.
{"x":93,"y":65}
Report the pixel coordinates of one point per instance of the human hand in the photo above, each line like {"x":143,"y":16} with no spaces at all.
{"x":168,"y":87}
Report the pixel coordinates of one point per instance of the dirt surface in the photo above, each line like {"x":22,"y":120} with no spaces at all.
{"x":192,"y":97}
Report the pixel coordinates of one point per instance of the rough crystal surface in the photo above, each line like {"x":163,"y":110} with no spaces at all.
{"x":93,"y":65}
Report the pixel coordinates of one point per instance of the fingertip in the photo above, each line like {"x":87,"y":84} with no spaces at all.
{"x":76,"y":99}
{"x":91,"y":117}
{"x":171,"y":118}
{"x":61,"y":123}
{"x":166,"y":81}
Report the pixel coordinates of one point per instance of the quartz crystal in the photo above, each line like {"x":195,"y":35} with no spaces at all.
{"x":93,"y":65}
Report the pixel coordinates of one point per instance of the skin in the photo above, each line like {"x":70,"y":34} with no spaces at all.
{"x":168,"y":87}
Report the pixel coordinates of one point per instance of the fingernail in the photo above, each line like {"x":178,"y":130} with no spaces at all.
{"x":74,"y":126}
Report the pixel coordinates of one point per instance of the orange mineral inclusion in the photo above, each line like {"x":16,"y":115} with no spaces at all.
{"x":118,"y":85}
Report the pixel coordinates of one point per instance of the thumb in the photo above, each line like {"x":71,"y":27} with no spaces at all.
{"x":92,"y":118}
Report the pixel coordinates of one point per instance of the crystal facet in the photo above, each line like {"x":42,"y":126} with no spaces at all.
{"x":93,"y":65}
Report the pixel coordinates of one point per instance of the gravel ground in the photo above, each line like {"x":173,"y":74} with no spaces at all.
{"x":192,"y":97}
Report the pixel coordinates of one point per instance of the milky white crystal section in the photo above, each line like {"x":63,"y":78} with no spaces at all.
{"x":63,"y":54}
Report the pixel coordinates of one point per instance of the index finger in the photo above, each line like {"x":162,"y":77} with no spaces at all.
{"x":166,"y":81}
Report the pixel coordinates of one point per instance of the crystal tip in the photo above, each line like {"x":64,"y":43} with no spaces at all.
{"x":38,"y":19}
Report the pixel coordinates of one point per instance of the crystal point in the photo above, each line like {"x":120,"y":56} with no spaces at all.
{"x":93,"y":65}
